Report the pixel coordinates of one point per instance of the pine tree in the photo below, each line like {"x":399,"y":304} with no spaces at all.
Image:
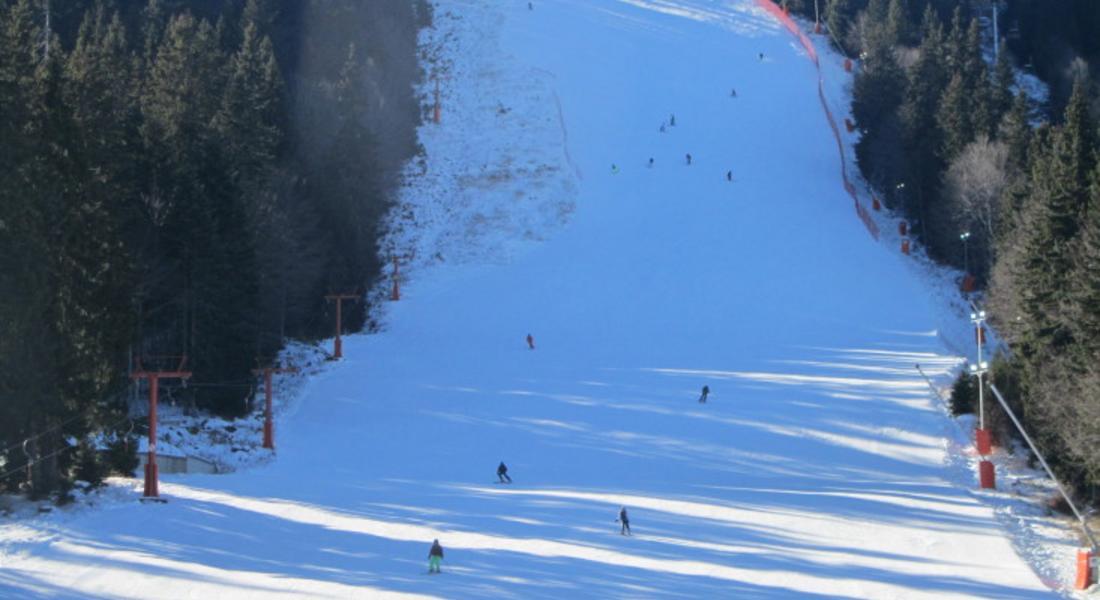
{"x":1049,"y":235}
{"x":1085,"y":300}
{"x":922,"y":137}
{"x":955,"y":46}
{"x":262,"y":14}
{"x":1015,"y":130}
{"x":880,"y":85}
{"x":839,"y":16}
{"x":1004,"y":80}
{"x":897,"y":23}
{"x":249,"y":116}
{"x":955,"y":117}
{"x":976,"y":79}
{"x":1079,"y":139}
{"x":98,"y":208}
{"x":210,"y":252}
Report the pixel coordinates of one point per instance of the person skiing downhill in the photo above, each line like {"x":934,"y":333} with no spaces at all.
{"x":672,"y":120}
{"x":688,"y":158}
{"x":530,"y":341}
{"x":703,"y":397}
{"x":625,"y":530}
{"x":502,"y":473}
{"x":651,"y":163}
{"x":729,"y":175}
{"x":435,"y":556}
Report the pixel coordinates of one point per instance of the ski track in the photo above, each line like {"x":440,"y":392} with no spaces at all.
{"x":820,"y":467}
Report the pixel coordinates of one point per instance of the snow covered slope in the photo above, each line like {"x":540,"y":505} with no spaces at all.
{"x":821,"y":466}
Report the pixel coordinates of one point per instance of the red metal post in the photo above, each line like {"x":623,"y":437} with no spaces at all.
{"x":396,"y":290}
{"x":154,"y":377}
{"x":1084,"y":568}
{"x":269,"y":425}
{"x":337,"y":350}
{"x":984,"y":441}
{"x":269,"y":433}
{"x":986,"y":475}
{"x":437,"y":109}
{"x":151,"y":490}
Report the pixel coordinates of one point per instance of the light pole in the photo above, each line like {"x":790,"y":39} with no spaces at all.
{"x":986,"y":474}
{"x":980,"y":369}
{"x":978,"y":318}
{"x":966,"y":256}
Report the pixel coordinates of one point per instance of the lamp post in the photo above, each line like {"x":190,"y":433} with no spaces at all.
{"x":965,"y":236}
{"x":978,"y":370}
{"x":978,"y":318}
{"x":986,"y":475}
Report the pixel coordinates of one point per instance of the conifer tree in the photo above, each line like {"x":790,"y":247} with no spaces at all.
{"x":955,"y":117}
{"x":922,"y":137}
{"x":1085,"y":301}
{"x":1004,"y":80}
{"x":897,"y":23}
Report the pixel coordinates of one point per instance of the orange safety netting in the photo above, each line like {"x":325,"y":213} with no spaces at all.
{"x":785,"y":19}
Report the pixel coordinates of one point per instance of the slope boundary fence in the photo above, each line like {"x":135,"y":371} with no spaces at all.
{"x":861,"y":211}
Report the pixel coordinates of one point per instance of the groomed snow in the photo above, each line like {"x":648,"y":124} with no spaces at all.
{"x":821,"y":466}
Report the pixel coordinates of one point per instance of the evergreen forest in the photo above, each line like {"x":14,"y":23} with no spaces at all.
{"x":998,"y":181}
{"x":183,"y":177}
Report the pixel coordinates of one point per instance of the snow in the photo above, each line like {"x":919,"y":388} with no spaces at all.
{"x":822,"y":465}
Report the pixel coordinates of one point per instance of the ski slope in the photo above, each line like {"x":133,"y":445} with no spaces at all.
{"x":821,"y":466}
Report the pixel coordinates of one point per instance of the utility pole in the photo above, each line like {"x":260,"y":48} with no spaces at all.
{"x":269,"y":427}
{"x":437,"y":109}
{"x":337,"y":350}
{"x":396,"y":295}
{"x":151,"y":492}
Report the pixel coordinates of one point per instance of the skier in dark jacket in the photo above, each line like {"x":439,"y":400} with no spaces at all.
{"x":502,"y":473}
{"x":706,"y":392}
{"x":625,"y":521}
{"x":435,"y":556}
{"x":688,"y":157}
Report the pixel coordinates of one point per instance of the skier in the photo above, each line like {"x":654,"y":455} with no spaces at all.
{"x":662,"y":126}
{"x":651,"y":162}
{"x":435,"y":555}
{"x":672,"y":120}
{"x":703,"y":397}
{"x":761,"y":57}
{"x":530,"y":341}
{"x":502,"y":473}
{"x":729,"y":175}
{"x":614,"y":169}
{"x":733,"y":92}
{"x":530,"y":6}
{"x":689,"y":158}
{"x":625,"y":530}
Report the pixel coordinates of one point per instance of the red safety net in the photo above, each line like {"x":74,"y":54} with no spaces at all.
{"x":788,"y":22}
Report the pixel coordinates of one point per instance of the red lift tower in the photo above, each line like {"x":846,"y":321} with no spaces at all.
{"x":269,"y":428}
{"x":396,"y":295}
{"x":337,"y":350}
{"x":151,"y":492}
